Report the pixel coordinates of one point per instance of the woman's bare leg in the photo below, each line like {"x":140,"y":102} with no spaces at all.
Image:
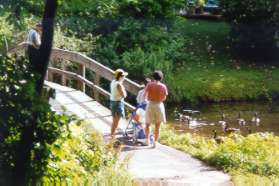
{"x":157,"y":131}
{"x":147,"y":133}
{"x":115,"y":121}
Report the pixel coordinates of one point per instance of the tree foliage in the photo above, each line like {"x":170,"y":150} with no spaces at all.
{"x":251,"y":11}
{"x":18,"y":106}
{"x":149,"y":8}
{"x":254,"y":33}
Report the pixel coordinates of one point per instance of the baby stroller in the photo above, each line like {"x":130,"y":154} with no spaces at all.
{"x":135,"y":128}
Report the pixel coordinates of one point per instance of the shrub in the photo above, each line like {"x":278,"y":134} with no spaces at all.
{"x":140,"y":47}
{"x":5,"y":33}
{"x":149,"y":9}
{"x":255,"y":154}
{"x":81,"y":156}
{"x":18,"y":107}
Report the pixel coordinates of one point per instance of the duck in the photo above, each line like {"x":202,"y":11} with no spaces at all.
{"x":218,"y":139}
{"x":255,"y":119}
{"x":240,"y":120}
{"x":229,"y":130}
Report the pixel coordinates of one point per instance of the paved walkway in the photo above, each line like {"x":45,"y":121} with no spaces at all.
{"x":161,"y":166}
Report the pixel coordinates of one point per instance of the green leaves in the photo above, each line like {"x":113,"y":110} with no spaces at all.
{"x":251,"y":11}
{"x":254,"y":28}
{"x":19,"y":104}
{"x":149,"y":8}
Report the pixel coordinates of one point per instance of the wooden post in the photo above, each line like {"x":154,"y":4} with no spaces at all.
{"x":97,"y":82}
{"x":46,"y":77}
{"x":63,"y":78}
{"x":83,"y":73}
{"x":50,"y":74}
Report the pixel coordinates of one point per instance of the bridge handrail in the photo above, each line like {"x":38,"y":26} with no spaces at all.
{"x":88,"y":83}
{"x":82,"y":59}
{"x":99,"y":69}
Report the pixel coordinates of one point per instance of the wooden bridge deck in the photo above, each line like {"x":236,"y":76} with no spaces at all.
{"x":161,"y":166}
{"x":76,"y":102}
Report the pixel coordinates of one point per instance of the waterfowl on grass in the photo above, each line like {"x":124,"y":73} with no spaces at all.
{"x":240,"y":120}
{"x":222,"y":121}
{"x":249,"y":131}
{"x":218,"y":139}
{"x":256,"y":119}
{"x":182,"y":117}
{"x":229,"y":130}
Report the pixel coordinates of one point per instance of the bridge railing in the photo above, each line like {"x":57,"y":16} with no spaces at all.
{"x":85,"y":63}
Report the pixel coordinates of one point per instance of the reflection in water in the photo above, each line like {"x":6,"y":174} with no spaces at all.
{"x":243,"y":117}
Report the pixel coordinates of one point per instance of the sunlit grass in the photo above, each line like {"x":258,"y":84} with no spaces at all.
{"x":209,"y":73}
{"x":246,"y":159}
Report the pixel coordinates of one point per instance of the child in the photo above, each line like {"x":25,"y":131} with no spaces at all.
{"x":141,"y":99}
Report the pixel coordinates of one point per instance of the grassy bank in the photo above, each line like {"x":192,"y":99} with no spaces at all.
{"x":209,"y":73}
{"x":249,"y":160}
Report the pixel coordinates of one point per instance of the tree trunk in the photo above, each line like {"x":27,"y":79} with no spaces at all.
{"x":39,"y":60}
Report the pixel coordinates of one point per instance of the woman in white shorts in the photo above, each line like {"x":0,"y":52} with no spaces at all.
{"x":156,"y":93}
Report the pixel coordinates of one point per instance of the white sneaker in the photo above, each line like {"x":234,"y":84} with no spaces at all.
{"x":154,"y":144}
{"x":145,"y":143}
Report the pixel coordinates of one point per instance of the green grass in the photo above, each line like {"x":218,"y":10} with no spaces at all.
{"x":246,"y":159}
{"x":208,"y":73}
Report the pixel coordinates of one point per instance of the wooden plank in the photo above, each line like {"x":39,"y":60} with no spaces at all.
{"x":97,"y":82}
{"x":93,"y":65}
{"x":63,"y":80}
{"x":87,"y":82}
{"x":83,"y":72}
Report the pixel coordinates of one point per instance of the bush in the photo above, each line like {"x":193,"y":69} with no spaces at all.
{"x":149,"y":9}
{"x":5,"y":33}
{"x":140,"y":47}
{"x":19,"y":105}
{"x":255,"y":155}
{"x":254,"y":28}
{"x":81,"y":156}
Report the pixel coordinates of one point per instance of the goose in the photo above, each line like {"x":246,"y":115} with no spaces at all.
{"x":193,"y":123}
{"x":218,"y":139}
{"x":255,"y":119}
{"x":222,"y":121}
{"x":229,"y":130}
{"x":240,"y":120}
{"x":186,"y":118}
{"x":177,"y":115}
{"x":182,"y":117}
{"x":249,"y":131}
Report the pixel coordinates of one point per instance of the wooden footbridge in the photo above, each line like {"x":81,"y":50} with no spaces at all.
{"x":78,"y":82}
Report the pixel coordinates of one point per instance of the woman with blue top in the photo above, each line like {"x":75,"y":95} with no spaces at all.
{"x":118,"y":93}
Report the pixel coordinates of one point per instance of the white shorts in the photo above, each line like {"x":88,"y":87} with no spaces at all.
{"x":155,"y":113}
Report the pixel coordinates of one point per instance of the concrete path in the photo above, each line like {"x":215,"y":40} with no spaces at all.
{"x":162,"y":166}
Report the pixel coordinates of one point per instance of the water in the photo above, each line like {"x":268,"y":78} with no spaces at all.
{"x":210,"y":115}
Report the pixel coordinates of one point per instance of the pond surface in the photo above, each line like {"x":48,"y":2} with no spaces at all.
{"x":210,"y":115}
